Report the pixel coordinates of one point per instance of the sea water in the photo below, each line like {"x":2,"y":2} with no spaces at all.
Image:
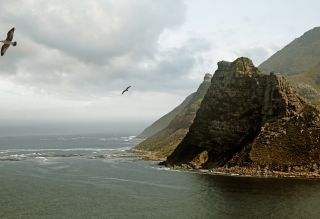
{"x":93,"y":176}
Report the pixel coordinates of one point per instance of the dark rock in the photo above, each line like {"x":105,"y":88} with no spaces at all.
{"x":250,"y":119}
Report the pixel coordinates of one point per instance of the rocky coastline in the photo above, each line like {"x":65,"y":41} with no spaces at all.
{"x":293,"y":172}
{"x":249,"y":124}
{"x":310,"y":172}
{"x":147,"y":155}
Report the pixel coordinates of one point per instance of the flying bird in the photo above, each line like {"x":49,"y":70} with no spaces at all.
{"x":7,"y":42}
{"x":125,"y":90}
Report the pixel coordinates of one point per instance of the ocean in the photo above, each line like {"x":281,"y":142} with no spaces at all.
{"x":93,"y":176}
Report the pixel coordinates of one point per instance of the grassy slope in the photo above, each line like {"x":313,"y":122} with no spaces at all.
{"x":164,"y":120}
{"x":300,"y":62}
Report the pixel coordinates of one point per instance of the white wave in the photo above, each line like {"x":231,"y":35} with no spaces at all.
{"x":161,"y":168}
{"x":128,"y":138}
{"x":139,"y":182}
{"x":42,"y":158}
{"x":60,"y":167}
{"x":74,"y":138}
{"x":62,"y":149}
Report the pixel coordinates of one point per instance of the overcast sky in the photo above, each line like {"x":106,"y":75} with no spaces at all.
{"x":73,"y":57}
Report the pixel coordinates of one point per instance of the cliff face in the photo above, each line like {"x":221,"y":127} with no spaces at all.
{"x":248,"y":118}
{"x":300,"y":62}
{"x":165,"y":141}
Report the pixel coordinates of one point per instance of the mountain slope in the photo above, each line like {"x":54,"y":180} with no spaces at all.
{"x":299,"y":61}
{"x":165,"y":141}
{"x":298,"y":56}
{"x":307,"y":84}
{"x":164,"y":120}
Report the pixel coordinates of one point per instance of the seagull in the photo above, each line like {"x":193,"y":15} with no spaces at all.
{"x":125,"y":90}
{"x":7,"y":42}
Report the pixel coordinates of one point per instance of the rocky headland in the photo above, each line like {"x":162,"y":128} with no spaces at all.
{"x":251,"y":123}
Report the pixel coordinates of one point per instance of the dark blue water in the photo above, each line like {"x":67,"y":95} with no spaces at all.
{"x":92,"y":176}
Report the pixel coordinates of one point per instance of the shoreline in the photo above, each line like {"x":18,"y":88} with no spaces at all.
{"x":147,"y":155}
{"x":250,"y":172}
{"x":254,"y":172}
{"x":232,"y":171}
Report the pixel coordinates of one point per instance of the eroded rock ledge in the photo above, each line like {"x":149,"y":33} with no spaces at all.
{"x":249,"y":119}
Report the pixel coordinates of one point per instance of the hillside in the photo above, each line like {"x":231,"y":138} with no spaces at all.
{"x":299,"y":61}
{"x":164,"y":121}
{"x":165,"y":141}
{"x":307,"y":84}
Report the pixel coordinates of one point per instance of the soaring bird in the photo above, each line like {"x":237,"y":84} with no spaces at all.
{"x":7,"y":42}
{"x":125,"y":90}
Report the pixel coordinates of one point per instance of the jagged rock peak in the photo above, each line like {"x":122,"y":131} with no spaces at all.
{"x":241,"y":66}
{"x":207,"y":77}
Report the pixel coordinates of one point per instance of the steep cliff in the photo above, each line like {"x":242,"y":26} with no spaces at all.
{"x":165,"y":141}
{"x":248,"y":118}
{"x":299,"y":61}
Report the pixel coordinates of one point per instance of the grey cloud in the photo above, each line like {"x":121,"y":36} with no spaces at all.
{"x":98,"y":46}
{"x":96,"y":31}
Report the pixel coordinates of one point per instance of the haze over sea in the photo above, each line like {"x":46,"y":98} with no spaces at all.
{"x":92,"y":176}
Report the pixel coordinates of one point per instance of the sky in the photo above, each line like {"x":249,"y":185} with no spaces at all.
{"x":73,"y":58}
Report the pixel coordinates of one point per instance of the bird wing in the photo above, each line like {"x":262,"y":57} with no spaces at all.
{"x":127,"y":89}
{"x":10,"y":34}
{"x":4,"y":48}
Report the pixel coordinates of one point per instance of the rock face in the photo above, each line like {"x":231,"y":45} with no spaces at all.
{"x":166,"y":140}
{"x":300,"y":62}
{"x":248,"y":118}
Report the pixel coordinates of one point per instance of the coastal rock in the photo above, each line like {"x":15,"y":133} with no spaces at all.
{"x":162,"y":144}
{"x":249,"y":119}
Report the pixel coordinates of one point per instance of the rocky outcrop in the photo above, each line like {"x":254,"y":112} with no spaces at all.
{"x":250,"y":119}
{"x":163,"y":143}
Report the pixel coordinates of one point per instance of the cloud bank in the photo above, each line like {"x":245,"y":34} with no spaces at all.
{"x":74,"y":48}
